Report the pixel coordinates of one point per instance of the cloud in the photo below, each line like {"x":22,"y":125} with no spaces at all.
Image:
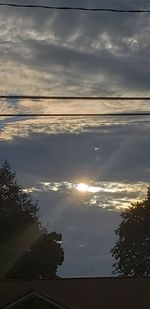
{"x":74,"y":53}
{"x":62,"y":53}
{"x":124,"y":147}
{"x":121,"y":162}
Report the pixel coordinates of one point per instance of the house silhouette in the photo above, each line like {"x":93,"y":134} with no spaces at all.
{"x":76,"y":293}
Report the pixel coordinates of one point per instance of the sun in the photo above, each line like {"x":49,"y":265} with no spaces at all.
{"x":82,"y":187}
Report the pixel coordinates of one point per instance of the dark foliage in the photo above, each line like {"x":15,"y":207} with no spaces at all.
{"x":132,"y":249}
{"x":27,"y":250}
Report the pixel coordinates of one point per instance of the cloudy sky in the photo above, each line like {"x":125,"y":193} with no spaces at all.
{"x":84,"y":171}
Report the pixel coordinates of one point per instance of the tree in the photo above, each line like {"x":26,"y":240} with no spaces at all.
{"x":27,"y":250}
{"x":132,"y":249}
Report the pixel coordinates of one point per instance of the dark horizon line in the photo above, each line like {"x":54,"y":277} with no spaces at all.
{"x":78,"y":278}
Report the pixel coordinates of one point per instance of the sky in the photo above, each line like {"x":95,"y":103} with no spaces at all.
{"x":84,"y":171}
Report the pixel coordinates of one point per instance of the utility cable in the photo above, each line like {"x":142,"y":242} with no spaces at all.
{"x":31,"y":6}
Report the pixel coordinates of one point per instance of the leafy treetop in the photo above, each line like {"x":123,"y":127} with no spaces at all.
{"x":27,"y":250}
{"x":132,"y":249}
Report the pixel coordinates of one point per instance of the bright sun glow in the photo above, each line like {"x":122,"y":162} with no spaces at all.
{"x":83,"y":187}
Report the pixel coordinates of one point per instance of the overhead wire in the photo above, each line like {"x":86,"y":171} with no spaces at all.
{"x":54,"y":97}
{"x":75,"y":98}
{"x":75,"y":115}
{"x":32,"y":97}
{"x":32,"y":6}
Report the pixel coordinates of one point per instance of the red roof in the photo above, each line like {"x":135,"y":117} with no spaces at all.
{"x":84,"y":293}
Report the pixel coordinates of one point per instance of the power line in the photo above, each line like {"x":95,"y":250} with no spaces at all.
{"x":52,"y":97}
{"x":25,"y":97}
{"x":73,"y":8}
{"x":77,"y":115}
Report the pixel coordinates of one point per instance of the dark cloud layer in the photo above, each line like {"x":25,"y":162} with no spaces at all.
{"x":106,"y":52}
{"x":88,"y":232}
{"x":122,"y":148}
{"x":49,"y":52}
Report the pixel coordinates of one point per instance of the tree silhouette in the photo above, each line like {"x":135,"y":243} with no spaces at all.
{"x":132,"y":249}
{"x":27,"y":250}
